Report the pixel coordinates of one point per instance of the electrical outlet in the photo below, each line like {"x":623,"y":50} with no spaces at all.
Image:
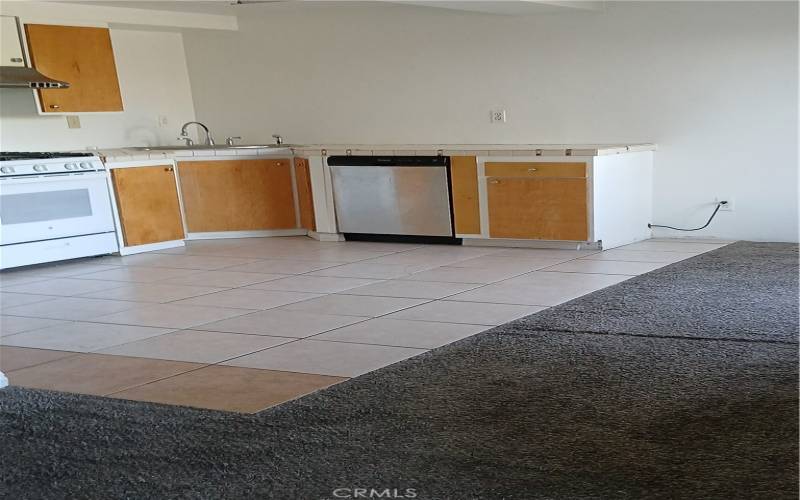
{"x":163,"y":121}
{"x":728,"y":207}
{"x":74,"y":121}
{"x":498,"y":116}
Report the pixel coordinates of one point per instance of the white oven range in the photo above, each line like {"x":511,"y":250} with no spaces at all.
{"x":53,"y":206}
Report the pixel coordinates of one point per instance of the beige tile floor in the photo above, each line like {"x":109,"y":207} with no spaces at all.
{"x":244,"y":324}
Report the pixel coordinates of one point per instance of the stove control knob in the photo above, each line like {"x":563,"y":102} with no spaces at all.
{"x":85,"y":165}
{"x":40,"y":168}
{"x":70,"y":166}
{"x":7,"y":170}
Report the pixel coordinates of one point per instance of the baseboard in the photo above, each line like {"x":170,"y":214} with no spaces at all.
{"x":555,"y":245}
{"x":151,"y":247}
{"x":325,"y":236}
{"x":246,"y":234}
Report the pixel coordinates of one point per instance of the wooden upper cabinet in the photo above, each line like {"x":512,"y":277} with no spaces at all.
{"x":237,"y":195}
{"x":147,"y":200}
{"x":80,"y":56}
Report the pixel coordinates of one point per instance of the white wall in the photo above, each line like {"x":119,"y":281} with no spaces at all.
{"x":713,"y":83}
{"x":154,"y":82}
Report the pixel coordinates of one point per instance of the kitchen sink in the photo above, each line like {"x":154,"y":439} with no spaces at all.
{"x":205,"y":146}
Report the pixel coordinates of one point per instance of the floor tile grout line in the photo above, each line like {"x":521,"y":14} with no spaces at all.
{"x":127,"y":388}
{"x":212,"y":363}
{"x":343,"y":377}
{"x":587,"y":272}
{"x":110,"y":394}
{"x":96,"y":351}
{"x":69,"y":354}
{"x":639,"y":261}
{"x":405,"y":346}
{"x":93,"y":320}
{"x":62,"y":295}
{"x":83,"y":296}
{"x":517,"y":304}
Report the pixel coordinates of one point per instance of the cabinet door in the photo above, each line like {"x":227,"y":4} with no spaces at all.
{"x":305,"y":198}
{"x":80,"y":56}
{"x":466,"y":208}
{"x":538,"y":208}
{"x":237,"y":195}
{"x":147,"y":201}
{"x":10,"y":44}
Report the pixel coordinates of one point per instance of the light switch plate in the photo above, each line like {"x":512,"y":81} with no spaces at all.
{"x":74,"y":121}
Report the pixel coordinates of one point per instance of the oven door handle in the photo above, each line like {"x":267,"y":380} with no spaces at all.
{"x":54,"y":178}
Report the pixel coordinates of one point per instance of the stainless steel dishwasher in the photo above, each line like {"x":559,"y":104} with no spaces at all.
{"x":393,"y":195}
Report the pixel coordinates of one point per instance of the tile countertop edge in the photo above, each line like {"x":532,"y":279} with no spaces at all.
{"x":122,"y":155}
{"x":474,"y":149}
{"x":118,"y":155}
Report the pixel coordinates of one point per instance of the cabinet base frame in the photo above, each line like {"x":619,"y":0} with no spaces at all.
{"x":544,"y":244}
{"x":218,"y":235}
{"x":319,"y":236}
{"x":151,"y":247}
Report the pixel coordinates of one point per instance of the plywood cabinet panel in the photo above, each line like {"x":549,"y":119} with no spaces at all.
{"x":538,"y":208}
{"x":466,"y":205}
{"x":237,"y":195}
{"x":535,"y":169}
{"x":81,"y":56}
{"x":304,"y":194}
{"x":147,"y":202}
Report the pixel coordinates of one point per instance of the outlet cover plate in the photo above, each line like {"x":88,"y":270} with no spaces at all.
{"x":497,"y":115}
{"x":73,"y":121}
{"x":728,"y":207}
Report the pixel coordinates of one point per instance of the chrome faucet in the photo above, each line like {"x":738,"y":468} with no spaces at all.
{"x":185,"y":135}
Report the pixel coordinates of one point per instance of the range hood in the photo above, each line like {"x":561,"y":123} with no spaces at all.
{"x":23,"y":77}
{"x":14,"y":72}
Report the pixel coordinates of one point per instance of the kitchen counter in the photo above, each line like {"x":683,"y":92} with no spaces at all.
{"x":472,"y":149}
{"x":590,"y":195}
{"x":135,"y":154}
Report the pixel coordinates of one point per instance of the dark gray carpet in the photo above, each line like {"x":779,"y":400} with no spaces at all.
{"x":745,"y":291}
{"x":513,"y":413}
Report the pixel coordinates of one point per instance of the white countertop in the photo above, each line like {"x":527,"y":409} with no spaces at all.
{"x":136,"y":154}
{"x":474,"y":149}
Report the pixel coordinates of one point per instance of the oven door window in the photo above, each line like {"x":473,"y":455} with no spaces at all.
{"x":38,"y":207}
{"x":54,"y":207}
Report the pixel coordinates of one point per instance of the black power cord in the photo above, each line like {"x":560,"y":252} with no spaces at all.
{"x":719,"y":205}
